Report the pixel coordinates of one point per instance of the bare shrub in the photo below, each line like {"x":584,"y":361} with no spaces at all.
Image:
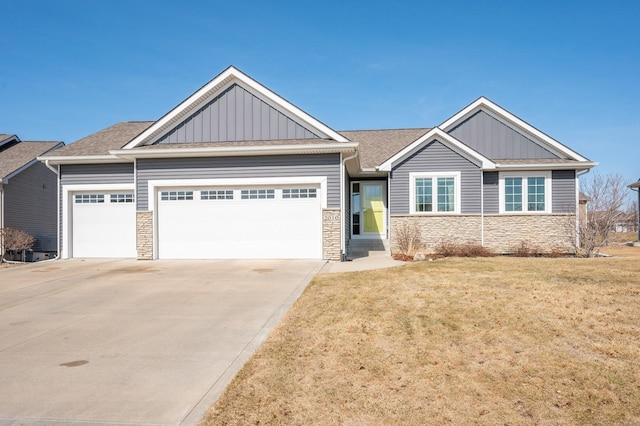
{"x":409,"y":239}
{"x":608,"y":203}
{"x":14,"y":240}
{"x":448,"y":249}
{"x":523,"y":249}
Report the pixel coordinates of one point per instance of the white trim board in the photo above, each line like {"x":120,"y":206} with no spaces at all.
{"x":453,"y":143}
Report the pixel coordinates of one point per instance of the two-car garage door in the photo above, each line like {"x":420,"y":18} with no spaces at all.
{"x":243,"y":222}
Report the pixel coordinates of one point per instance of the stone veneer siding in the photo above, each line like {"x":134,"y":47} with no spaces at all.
{"x":458,"y":229}
{"x":144,"y":235}
{"x":331,"y":247}
{"x":542,"y":233}
{"x":502,"y":233}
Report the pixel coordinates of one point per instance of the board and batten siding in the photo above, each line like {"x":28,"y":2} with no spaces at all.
{"x":30,"y":205}
{"x":435,"y":157}
{"x":240,"y":167}
{"x":496,"y":140}
{"x":491,"y":188}
{"x":88,"y":174}
{"x":563,"y":191}
{"x":236,"y":115}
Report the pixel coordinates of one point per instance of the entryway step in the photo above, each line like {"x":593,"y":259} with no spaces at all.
{"x":367,"y":247}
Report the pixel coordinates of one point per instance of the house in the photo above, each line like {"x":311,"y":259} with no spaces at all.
{"x":28,"y":190}
{"x":236,"y":171}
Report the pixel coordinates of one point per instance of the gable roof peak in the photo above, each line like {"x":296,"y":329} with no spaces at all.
{"x":495,"y":110}
{"x":218,"y":84}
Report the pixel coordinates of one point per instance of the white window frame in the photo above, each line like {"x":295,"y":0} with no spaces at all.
{"x":525,"y":186}
{"x":434,"y":176}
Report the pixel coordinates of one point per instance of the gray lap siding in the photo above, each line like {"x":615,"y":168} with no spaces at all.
{"x":436,"y":157}
{"x":240,"y":167}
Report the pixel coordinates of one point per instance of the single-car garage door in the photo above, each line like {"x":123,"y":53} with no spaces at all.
{"x":262,"y":222}
{"x":103,"y":224}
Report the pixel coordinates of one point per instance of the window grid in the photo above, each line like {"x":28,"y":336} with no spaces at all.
{"x":424,"y":195}
{"x":176,"y":195}
{"x":89,"y":198}
{"x":121,"y":198}
{"x":299,"y":193}
{"x":513,"y":194}
{"x":217,"y":194}
{"x":446,"y":199}
{"x":535,"y":194}
{"x":257,"y":194}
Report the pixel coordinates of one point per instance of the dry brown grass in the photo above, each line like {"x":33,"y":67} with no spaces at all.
{"x":509,"y":341}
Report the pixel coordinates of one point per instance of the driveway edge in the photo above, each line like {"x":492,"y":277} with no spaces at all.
{"x":198,"y":412}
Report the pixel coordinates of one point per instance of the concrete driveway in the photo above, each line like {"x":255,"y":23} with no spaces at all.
{"x":133,"y":342}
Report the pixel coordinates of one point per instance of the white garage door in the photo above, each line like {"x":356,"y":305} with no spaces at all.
{"x":240,"y":223}
{"x":103,"y":224}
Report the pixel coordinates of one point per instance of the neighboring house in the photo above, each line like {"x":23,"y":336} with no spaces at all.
{"x":236,"y":171}
{"x":28,"y":190}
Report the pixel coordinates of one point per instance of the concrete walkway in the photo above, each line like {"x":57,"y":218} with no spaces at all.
{"x":131,"y":342}
{"x":373,"y":261}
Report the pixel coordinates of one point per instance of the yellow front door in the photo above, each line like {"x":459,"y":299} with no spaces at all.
{"x":373,"y":208}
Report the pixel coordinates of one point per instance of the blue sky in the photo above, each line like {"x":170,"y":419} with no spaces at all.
{"x":569,"y":68}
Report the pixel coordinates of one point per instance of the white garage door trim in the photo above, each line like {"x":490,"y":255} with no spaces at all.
{"x":67,"y":208}
{"x":155,"y":185}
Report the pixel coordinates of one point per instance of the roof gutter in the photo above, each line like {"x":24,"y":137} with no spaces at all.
{"x":79,"y":159}
{"x":548,"y":166}
{"x":50,"y":167}
{"x":228,"y":151}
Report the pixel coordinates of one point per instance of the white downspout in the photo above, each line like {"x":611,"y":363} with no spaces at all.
{"x":481,"y":208}
{"x":343,"y":210}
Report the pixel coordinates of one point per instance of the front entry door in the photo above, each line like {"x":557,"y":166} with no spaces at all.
{"x":368,"y":208}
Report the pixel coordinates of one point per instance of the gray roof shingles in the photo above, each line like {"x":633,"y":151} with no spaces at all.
{"x":21,"y":154}
{"x":377,"y":146}
{"x":100,"y":143}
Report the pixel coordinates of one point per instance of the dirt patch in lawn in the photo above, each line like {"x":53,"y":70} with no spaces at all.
{"x":516,"y":341}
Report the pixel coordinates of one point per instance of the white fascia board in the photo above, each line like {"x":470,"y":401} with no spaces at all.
{"x":234,"y":150}
{"x":440,"y":135}
{"x":498,"y":112}
{"x":223,"y":80}
{"x":547,"y":166}
{"x":80,"y":159}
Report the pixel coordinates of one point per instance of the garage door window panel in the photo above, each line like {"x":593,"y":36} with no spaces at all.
{"x":89,"y":198}
{"x":288,"y":193}
{"x":121,"y":198}
{"x":176,"y":195}
{"x":216,"y":194}
{"x":257,"y":194}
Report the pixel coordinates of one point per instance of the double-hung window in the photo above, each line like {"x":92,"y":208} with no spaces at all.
{"x":435,"y":193}
{"x":525,"y":192}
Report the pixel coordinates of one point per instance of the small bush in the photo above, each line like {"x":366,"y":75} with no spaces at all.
{"x":462,"y":250}
{"x":523,"y":249}
{"x":409,"y":239}
{"x":14,"y":240}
